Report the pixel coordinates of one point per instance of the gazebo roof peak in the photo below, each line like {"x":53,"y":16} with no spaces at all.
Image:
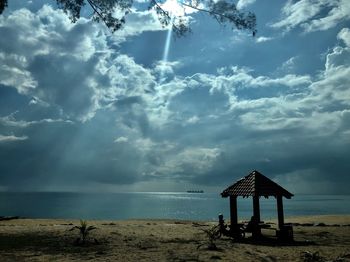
{"x":255,"y":184}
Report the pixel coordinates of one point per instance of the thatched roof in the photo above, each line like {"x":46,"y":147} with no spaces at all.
{"x":255,"y":184}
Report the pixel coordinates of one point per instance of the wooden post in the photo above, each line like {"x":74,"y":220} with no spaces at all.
{"x":233,"y":211}
{"x":280,"y":211}
{"x":235,"y":230}
{"x":256,"y":212}
{"x":256,"y":208}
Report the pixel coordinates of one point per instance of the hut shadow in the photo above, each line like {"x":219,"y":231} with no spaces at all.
{"x":44,"y":243}
{"x":273,"y":241}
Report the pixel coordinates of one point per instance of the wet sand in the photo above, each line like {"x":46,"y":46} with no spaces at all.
{"x":168,"y":240}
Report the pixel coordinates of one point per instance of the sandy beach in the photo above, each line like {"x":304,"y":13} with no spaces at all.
{"x":168,"y":240}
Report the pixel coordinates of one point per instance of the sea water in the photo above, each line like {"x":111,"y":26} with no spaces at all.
{"x":162,"y":205}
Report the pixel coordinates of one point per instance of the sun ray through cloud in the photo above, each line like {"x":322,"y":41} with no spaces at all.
{"x":166,"y":50}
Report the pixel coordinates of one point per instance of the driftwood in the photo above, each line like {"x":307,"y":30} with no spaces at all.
{"x":2,"y":218}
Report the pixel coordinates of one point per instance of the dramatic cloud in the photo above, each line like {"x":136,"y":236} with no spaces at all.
{"x":85,"y":70}
{"x":75,"y":111}
{"x":14,"y":73}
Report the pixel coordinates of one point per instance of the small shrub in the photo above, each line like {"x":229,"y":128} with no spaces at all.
{"x":308,"y":256}
{"x":212,"y":234}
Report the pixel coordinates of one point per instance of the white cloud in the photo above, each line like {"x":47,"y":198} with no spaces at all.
{"x":344,"y":35}
{"x":339,"y":12}
{"x":318,"y":104}
{"x":166,"y":69}
{"x":193,"y":120}
{"x":14,"y":73}
{"x":244,"y":3}
{"x":333,"y":88}
{"x":12,"y":138}
{"x":121,"y":139}
{"x":138,"y":22}
{"x":290,"y":80}
{"x":71,"y":65}
{"x":11,"y":121}
{"x":200,"y":158}
{"x":242,"y":78}
{"x":289,"y":65}
{"x":298,"y":12}
{"x":190,"y":161}
{"x":319,"y":107}
{"x":37,"y":101}
{"x":308,"y":14}
{"x":175,"y":8}
{"x":339,"y":57}
{"x":262,"y":39}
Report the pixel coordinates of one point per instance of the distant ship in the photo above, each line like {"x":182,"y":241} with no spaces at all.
{"x":195,"y":191}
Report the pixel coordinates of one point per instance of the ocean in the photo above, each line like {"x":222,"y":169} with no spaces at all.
{"x":162,"y":205}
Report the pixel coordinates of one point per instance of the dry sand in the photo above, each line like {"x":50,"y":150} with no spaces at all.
{"x":167,"y":240}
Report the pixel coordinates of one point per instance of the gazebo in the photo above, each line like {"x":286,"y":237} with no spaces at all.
{"x":256,"y":185}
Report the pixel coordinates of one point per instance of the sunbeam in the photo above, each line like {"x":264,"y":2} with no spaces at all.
{"x":166,"y":49}
{"x":168,"y":41}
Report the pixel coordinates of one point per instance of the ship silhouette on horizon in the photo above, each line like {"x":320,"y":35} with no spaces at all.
{"x":195,"y":191}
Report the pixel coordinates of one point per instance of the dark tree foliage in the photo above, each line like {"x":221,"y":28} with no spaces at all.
{"x":223,"y":11}
{"x":74,"y":7}
{"x":102,"y":10}
{"x":3,"y":4}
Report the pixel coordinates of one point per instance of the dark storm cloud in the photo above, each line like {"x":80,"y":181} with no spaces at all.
{"x":63,"y":82}
{"x":10,"y":101}
{"x":57,"y":148}
{"x":277,"y":153}
{"x":61,"y":152}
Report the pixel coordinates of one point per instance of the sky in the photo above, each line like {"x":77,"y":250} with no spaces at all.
{"x":82,"y":109}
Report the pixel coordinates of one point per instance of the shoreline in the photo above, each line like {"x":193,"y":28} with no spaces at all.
{"x":341,"y":218}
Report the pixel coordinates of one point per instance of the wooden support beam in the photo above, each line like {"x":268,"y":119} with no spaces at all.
{"x":233,"y":211}
{"x":280,"y":212}
{"x":256,"y":212}
{"x":256,"y":208}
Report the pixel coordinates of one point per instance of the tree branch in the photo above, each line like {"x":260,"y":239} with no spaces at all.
{"x":165,"y":13}
{"x":222,"y":15}
{"x":94,"y":7}
{"x":105,"y":13}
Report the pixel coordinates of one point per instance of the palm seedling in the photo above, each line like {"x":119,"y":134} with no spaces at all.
{"x":84,"y":231}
